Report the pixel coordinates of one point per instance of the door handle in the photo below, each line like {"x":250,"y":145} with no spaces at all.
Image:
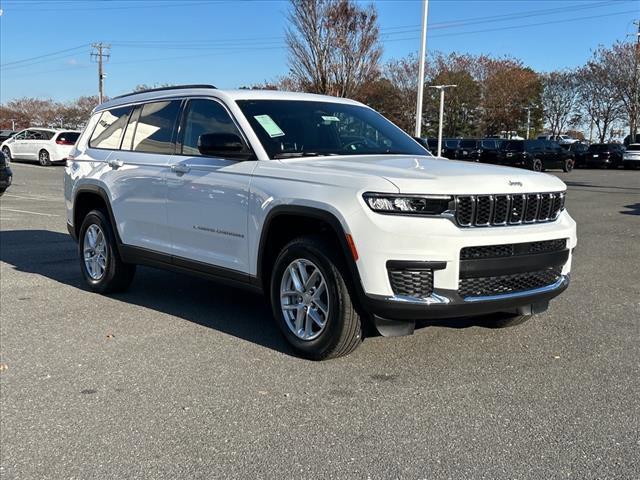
{"x":115,"y":164}
{"x":180,"y":168}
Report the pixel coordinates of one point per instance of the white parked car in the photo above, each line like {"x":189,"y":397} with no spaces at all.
{"x":631,"y":156}
{"x":333,"y":212}
{"x":45,"y":145}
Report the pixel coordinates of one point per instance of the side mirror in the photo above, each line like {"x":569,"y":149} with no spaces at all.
{"x":222,"y":145}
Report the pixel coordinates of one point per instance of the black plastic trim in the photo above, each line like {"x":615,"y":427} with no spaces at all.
{"x":143,"y":256}
{"x":103,"y":194}
{"x":415,"y":265}
{"x":491,"y":267}
{"x":317,"y":213}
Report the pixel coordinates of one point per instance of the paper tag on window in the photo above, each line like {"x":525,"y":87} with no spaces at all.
{"x":327,"y":119}
{"x":271,"y":127}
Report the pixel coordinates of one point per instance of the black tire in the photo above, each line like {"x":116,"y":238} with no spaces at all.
{"x":343,"y":330}
{"x":117,"y":275}
{"x":7,"y":152}
{"x":506,"y":320}
{"x":567,"y":166}
{"x":536,"y":165}
{"x":44,"y":158}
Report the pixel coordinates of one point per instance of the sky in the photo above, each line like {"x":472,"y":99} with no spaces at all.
{"x":45,"y":45}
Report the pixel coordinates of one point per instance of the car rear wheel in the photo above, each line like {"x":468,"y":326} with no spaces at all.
{"x":101,"y":266}
{"x":568,"y":166}
{"x":7,"y":152}
{"x":311,"y":302}
{"x":44,"y":159}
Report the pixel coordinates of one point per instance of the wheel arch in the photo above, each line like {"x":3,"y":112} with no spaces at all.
{"x":89,"y":197}
{"x":272,"y":238}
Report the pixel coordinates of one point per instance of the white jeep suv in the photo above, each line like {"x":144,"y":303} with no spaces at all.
{"x":336,"y":214}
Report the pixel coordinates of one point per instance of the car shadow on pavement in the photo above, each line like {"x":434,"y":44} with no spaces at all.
{"x":233,"y":311}
{"x":634,"y":209}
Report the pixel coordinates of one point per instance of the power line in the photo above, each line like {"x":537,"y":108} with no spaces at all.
{"x":4,"y":65}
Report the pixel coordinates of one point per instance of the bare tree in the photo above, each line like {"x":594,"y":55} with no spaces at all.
{"x":333,"y":46}
{"x":598,"y":96}
{"x":559,"y":100}
{"x":623,"y":61}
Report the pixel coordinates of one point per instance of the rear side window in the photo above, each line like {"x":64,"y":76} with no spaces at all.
{"x":108,"y":131}
{"x":634,"y":147}
{"x":67,"y":138}
{"x":468,"y":144}
{"x":155,"y":127}
{"x":205,"y":116}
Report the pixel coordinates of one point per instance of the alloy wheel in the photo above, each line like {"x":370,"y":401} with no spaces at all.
{"x":95,"y":252}
{"x":304,"y":299}
{"x":43,"y":157}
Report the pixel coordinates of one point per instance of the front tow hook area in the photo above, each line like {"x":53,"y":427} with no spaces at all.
{"x":393,"y":328}
{"x":533,"y":309}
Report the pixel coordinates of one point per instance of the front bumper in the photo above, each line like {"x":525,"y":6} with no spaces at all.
{"x":448,"y":303}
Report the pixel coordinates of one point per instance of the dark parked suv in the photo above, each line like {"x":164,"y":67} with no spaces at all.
{"x":449,"y":147}
{"x":474,"y":150}
{"x":536,"y":155}
{"x":605,"y":155}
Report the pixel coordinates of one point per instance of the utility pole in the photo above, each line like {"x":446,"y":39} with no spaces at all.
{"x":442,"y":88}
{"x":13,"y":123}
{"x":528,"y":109}
{"x":423,"y":53}
{"x":100,"y":54}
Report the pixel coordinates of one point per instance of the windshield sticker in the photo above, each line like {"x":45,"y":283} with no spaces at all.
{"x":271,"y":127}
{"x":330,"y":118}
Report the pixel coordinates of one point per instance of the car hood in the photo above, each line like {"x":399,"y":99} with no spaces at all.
{"x":416,"y":174}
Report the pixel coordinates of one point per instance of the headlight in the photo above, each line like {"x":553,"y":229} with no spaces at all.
{"x":409,"y":204}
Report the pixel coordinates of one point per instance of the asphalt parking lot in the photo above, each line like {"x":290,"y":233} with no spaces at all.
{"x":182,"y":378}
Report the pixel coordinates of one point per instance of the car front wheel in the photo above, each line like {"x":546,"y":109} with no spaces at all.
{"x":536,"y":166}
{"x":101,"y":266}
{"x":311,"y":302}
{"x":7,"y":153}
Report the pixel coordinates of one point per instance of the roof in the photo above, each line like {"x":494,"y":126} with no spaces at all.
{"x":225,"y":95}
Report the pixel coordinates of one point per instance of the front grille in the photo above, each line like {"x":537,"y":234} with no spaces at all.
{"x":496,"y":210}
{"x":512,"y":249}
{"x":416,"y":283}
{"x":500,"y":285}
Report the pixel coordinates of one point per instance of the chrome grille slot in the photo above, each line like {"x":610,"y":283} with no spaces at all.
{"x":497,"y":210}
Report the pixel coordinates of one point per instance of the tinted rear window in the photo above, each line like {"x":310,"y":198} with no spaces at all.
{"x":69,"y":136}
{"x":600,"y":147}
{"x":635,"y":147}
{"x":468,"y":143}
{"x":451,"y":143}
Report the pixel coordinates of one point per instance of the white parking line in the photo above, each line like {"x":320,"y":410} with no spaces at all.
{"x":33,"y":197}
{"x":32,"y":213}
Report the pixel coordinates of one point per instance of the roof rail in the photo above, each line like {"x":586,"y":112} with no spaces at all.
{"x":174,"y":87}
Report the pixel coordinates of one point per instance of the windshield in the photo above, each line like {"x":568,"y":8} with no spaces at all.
{"x":298,"y":128}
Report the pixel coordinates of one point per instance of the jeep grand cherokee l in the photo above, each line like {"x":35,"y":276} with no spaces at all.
{"x":333,"y":212}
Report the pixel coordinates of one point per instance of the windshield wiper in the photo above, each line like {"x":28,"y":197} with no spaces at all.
{"x":300,"y":154}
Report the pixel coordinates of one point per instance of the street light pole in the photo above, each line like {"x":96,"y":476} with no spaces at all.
{"x":423,"y":53}
{"x":442,"y":88}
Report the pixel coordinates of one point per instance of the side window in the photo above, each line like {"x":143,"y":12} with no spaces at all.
{"x":45,"y":134}
{"x":127,"y":141}
{"x":21,"y":135}
{"x":205,"y":116}
{"x":32,"y":135}
{"x":155,"y":127}
{"x":108,"y":131}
